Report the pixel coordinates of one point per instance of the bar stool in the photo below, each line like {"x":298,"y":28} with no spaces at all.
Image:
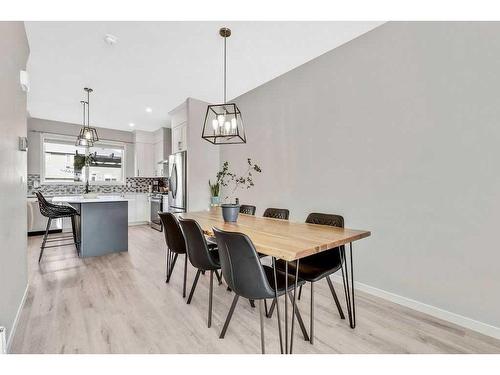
{"x":54,"y":211}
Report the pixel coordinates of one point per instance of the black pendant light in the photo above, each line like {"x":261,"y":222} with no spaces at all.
{"x":88,"y":135}
{"x":223,"y":123}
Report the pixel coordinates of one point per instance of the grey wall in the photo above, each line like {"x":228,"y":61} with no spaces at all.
{"x":203,"y":158}
{"x":37,"y":126}
{"x":399,"y":131}
{"x":13,"y":266}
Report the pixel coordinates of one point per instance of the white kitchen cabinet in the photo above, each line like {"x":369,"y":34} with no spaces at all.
{"x":132,"y":217}
{"x":158,"y":159}
{"x":138,"y":208}
{"x":144,"y":160}
{"x":151,"y":148}
{"x":179,"y":138}
{"x":142,"y":207}
{"x":158,"y":151}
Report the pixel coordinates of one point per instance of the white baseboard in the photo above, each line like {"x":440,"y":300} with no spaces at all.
{"x":134,"y":223}
{"x":434,"y":311}
{"x":16,"y":319}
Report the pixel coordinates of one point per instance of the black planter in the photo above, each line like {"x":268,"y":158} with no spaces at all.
{"x":230,"y":212}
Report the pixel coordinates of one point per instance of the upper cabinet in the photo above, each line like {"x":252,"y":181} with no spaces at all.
{"x":179,"y":138}
{"x":179,"y":118}
{"x":144,"y":156}
{"x":151,"y":151}
{"x":162,"y":144}
{"x":162,"y":149}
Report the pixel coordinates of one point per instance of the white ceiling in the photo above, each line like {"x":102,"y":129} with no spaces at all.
{"x":159,"y":64}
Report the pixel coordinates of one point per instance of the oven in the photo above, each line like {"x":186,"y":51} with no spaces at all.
{"x":159,"y":203}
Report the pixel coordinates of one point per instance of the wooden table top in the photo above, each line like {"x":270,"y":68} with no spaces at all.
{"x":282,"y":239}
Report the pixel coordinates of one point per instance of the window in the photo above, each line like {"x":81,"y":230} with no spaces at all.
{"x":63,"y":162}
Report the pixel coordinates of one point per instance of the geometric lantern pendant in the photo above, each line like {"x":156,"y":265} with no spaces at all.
{"x":223,"y":123}
{"x":88,"y":135}
{"x":81,"y":140}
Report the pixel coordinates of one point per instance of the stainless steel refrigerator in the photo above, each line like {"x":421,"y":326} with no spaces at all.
{"x":177,"y":192}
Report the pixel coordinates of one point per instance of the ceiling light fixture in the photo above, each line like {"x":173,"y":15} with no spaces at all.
{"x":223,"y":123}
{"x":110,"y":39}
{"x":88,"y":135}
{"x":149,"y":109}
{"x":131,"y":124}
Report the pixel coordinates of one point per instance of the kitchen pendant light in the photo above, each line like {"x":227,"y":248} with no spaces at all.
{"x":88,"y":135}
{"x":223,"y":123}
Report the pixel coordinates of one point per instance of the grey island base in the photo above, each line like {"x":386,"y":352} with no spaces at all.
{"x":102,"y":226}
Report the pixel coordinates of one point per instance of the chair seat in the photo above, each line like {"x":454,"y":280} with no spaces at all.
{"x":211,"y":241}
{"x":214,"y":254}
{"x":315,"y":267}
{"x":56,"y":212}
{"x":280,"y":278}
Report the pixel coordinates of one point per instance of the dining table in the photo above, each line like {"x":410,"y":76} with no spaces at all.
{"x":289,"y":241}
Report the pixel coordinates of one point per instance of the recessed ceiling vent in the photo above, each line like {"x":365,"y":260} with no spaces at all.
{"x":110,"y":39}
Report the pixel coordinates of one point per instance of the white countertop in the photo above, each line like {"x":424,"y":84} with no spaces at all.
{"x":81,"y":199}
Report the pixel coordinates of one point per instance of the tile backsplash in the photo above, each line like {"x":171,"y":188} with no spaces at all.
{"x":132,"y":185}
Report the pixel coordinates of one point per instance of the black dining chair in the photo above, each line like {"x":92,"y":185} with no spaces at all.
{"x":51,"y":212}
{"x":248,"y":278}
{"x":176,"y":245}
{"x":320,"y":266}
{"x":200,"y":257}
{"x":277,"y":213}
{"x":247,"y":209}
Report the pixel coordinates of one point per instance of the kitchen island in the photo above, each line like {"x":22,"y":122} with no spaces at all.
{"x":101,"y":227}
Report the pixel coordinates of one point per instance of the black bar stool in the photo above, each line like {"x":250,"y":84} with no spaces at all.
{"x":54,"y":211}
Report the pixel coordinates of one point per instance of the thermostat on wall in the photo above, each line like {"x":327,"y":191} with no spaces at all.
{"x":24,"y":80}
{"x":23,"y":144}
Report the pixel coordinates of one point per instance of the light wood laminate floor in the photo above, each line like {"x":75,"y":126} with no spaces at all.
{"x":120,"y":303}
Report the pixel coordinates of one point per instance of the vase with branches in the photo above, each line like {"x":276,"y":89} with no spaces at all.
{"x":232,"y":182}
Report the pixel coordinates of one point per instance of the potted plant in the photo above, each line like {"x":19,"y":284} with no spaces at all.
{"x":80,"y":161}
{"x":214,"y":192}
{"x":78,"y":164}
{"x":232,"y":182}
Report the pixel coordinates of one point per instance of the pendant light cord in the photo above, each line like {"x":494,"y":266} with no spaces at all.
{"x":88,"y":108}
{"x":225,"y":69}
{"x":83,"y":106}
